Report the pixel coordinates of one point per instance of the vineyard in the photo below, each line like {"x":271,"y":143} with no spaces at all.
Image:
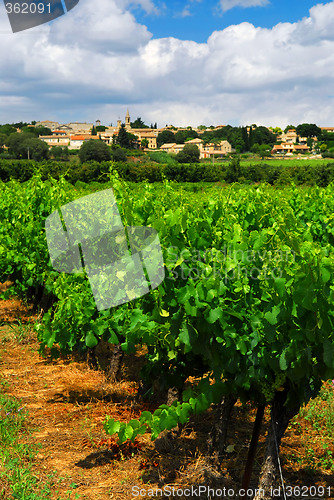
{"x":243,"y":317}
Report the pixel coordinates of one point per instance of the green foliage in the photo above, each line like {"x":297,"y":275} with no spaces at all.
{"x":233,"y":171}
{"x":36,"y":131}
{"x":22,"y":145}
{"x":7,"y":129}
{"x":118,"y":154}
{"x":138,"y":123}
{"x":263,"y":136}
{"x":3,"y":140}
{"x":122,"y":138}
{"x":189,"y":154}
{"x":308,"y":130}
{"x":95,"y":150}
{"x":234,"y":135}
{"x":60,"y":152}
{"x":289,"y":127}
{"x":162,"y":157}
{"x":183,"y":135}
{"x":144,"y":143}
{"x":246,"y":306}
{"x":165,"y":137}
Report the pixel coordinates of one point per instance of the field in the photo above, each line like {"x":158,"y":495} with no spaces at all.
{"x":245,"y":313}
{"x":288,"y":162}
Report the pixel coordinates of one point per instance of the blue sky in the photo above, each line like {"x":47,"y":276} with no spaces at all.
{"x":197,"y":19}
{"x":196,"y":62}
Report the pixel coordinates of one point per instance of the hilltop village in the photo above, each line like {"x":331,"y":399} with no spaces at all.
{"x":300,"y":140}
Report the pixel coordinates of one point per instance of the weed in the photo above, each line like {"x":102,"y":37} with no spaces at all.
{"x":22,"y":333}
{"x":16,"y":458}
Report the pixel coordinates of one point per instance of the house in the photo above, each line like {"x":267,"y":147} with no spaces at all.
{"x":141,"y":133}
{"x":291,"y":137}
{"x":328,"y":129}
{"x":49,"y":124}
{"x":56,"y":140}
{"x":210,"y":150}
{"x":288,"y":148}
{"x":149,"y":134}
{"x":80,"y":128}
{"x":168,"y":147}
{"x":76,"y":141}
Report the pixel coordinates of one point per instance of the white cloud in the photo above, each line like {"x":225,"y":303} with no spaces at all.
{"x":97,"y":61}
{"x":184,"y":13}
{"x":230,"y":4}
{"x":147,"y":5}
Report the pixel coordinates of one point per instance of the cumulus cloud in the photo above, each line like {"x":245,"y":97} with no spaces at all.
{"x":147,"y":5}
{"x":187,"y":9}
{"x":230,"y":4}
{"x":100,"y":61}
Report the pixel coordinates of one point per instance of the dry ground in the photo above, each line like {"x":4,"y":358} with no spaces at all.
{"x":66,"y":403}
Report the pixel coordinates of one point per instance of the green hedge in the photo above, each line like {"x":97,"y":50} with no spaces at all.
{"x":320,"y":174}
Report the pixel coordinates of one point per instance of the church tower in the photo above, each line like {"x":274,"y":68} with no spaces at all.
{"x":127,"y":121}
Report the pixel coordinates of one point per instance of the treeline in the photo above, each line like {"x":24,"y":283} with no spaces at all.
{"x":229,"y":172}
{"x":242,"y":139}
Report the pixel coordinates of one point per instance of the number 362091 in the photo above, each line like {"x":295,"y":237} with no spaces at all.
{"x":28,"y":8}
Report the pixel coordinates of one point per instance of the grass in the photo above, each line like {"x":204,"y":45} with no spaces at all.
{"x":288,"y":162}
{"x":17,"y":480}
{"x":22,"y":333}
{"x":320,"y":412}
{"x":315,"y":425}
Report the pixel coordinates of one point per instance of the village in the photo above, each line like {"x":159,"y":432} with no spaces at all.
{"x":74,"y":135}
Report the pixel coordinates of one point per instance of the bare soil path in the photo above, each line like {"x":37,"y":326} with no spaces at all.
{"x":66,"y":403}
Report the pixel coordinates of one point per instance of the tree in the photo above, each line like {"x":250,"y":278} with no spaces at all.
{"x":144,"y":143}
{"x":100,"y":128}
{"x":182,"y":136}
{"x":262,"y":135}
{"x":3,"y":140}
{"x":289,"y":127}
{"x":189,"y":154}
{"x":165,"y":137}
{"x":264,"y":150}
{"x":133,"y":140}
{"x":94,"y":132}
{"x":123,"y":139}
{"x":42,"y":131}
{"x":138,"y":123}
{"x":233,"y":170}
{"x":7,"y":129}
{"x":36,"y":131}
{"x":60,"y":152}
{"x":308,"y":130}
{"x":245,"y":138}
{"x":94,"y":150}
{"x":118,"y":154}
{"x":276,"y":130}
{"x":27,"y":146}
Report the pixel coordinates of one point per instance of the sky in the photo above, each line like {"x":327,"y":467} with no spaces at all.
{"x":184,"y":63}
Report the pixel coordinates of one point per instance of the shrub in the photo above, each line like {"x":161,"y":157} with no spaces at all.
{"x":94,"y":150}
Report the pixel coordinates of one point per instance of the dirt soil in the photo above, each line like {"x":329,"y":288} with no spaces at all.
{"x":66,"y":403}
